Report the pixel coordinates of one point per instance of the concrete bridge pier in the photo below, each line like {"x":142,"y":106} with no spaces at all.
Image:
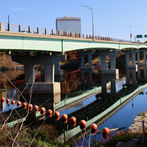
{"x":47,"y":87}
{"x":144,"y":52}
{"x":89,"y":55}
{"x":138,"y":58}
{"x":131,"y":59}
{"x":49,"y":73}
{"x":108,"y":68}
{"x":29,"y":71}
{"x":58,"y":71}
{"x":144,"y":58}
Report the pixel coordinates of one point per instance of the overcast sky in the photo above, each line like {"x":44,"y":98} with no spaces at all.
{"x":112,"y":18}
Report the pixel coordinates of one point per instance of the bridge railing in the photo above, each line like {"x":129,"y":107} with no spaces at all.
{"x":45,"y":31}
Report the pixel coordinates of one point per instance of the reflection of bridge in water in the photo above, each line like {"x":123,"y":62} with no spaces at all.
{"x":104,"y":100}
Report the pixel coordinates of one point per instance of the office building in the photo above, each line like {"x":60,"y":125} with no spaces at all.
{"x":68,"y":24}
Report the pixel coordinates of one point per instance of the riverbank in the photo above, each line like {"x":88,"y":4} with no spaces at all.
{"x":136,"y":126}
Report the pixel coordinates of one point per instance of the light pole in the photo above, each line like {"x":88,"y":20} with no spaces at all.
{"x":92,"y":18}
{"x":130,"y":27}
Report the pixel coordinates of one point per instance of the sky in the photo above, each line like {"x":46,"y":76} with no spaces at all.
{"x":112,"y":18}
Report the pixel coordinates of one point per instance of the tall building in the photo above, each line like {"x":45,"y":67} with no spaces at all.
{"x":68,"y":24}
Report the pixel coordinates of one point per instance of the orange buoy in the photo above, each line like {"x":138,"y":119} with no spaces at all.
{"x":64,"y":118}
{"x":13,"y":102}
{"x":42,"y":110}
{"x":49,"y":113}
{"x":73,"y":121}
{"x":24,"y":104}
{"x":18,"y":103}
{"x":30,"y":107}
{"x":2,"y":100}
{"x":36,"y":108}
{"x":8,"y":101}
{"x":94,"y":128}
{"x":105,"y":132}
{"x":83,"y":125}
{"x":57,"y":115}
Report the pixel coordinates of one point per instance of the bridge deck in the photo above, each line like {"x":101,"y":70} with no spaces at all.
{"x":38,"y":42}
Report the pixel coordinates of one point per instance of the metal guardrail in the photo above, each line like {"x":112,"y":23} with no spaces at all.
{"x":45,"y":31}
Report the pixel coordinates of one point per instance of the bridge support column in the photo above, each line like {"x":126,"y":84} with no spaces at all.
{"x":82,"y":55}
{"x":49,"y":73}
{"x":103,"y":62}
{"x":82,"y":61}
{"x":138,"y":58}
{"x":29,"y":73}
{"x":105,"y":69}
{"x":143,"y":51}
{"x":131,"y":63}
{"x":127,"y":59}
{"x":47,"y":87}
{"x":58,"y":71}
{"x":133,"y":58}
{"x":90,"y":59}
{"x":144,"y":56}
{"x":112,"y":61}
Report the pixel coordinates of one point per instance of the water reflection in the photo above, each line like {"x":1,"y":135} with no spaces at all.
{"x":131,"y":76}
{"x":77,"y":82}
{"x":81,"y":82}
{"x":86,"y":81}
{"x":120,"y":119}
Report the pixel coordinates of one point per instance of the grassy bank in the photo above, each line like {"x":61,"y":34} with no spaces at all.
{"x":38,"y":136}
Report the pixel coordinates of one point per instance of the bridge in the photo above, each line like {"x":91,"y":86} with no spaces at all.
{"x":19,"y":41}
{"x":49,"y":49}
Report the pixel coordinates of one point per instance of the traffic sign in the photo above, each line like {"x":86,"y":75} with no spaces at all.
{"x":138,"y":36}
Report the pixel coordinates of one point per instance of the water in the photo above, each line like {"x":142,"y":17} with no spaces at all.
{"x":123,"y":118}
{"x":83,"y":103}
{"x":76,"y":84}
{"x":78,"y":106}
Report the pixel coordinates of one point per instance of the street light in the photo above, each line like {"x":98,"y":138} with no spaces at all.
{"x":130,"y":27}
{"x":92,"y":18}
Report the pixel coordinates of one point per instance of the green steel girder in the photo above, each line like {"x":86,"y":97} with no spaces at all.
{"x":35,"y":42}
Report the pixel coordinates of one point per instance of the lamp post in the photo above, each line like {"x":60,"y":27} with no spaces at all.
{"x":130,"y":27}
{"x":92,"y":18}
